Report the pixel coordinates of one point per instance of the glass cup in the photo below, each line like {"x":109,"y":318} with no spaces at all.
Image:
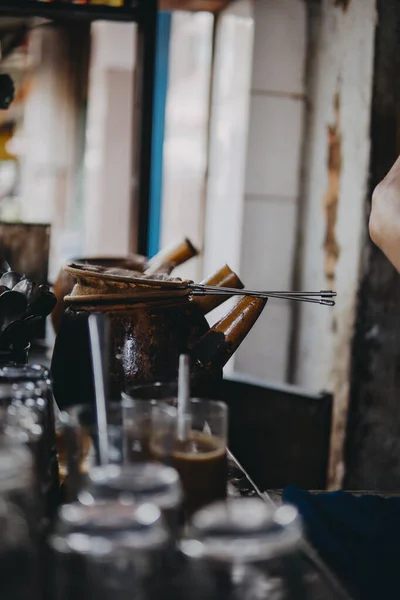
{"x":18,"y":557}
{"x":113,"y":549}
{"x":19,"y":536}
{"x":21,"y":460}
{"x":195,"y":445}
{"x":140,"y":483}
{"x":166,"y":392}
{"x":250,"y":549}
{"x":81,"y":446}
{"x":109,"y":550}
{"x":20,"y":426}
{"x":21,"y":530}
{"x":31,"y":384}
{"x":137,"y":422}
{"x":26,"y":393}
{"x":138,"y":405}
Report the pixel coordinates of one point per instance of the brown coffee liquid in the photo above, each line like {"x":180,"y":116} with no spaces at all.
{"x":62,"y":456}
{"x":201,"y":462}
{"x":84,"y":443}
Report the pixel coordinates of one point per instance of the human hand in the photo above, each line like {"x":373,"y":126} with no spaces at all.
{"x":384,"y":220}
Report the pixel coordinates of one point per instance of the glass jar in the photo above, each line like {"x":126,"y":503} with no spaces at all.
{"x":250,"y":551}
{"x":26,"y":390}
{"x":144,"y":482}
{"x":109,"y":550}
{"x":17,"y":480}
{"x":19,"y":535}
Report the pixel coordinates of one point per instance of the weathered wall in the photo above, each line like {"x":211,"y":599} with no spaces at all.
{"x":51,"y":136}
{"x":229,"y":119}
{"x":186,"y":134}
{"x":335,"y":187}
{"x":373,"y":440}
{"x":272,"y":178}
{"x":108,"y":153}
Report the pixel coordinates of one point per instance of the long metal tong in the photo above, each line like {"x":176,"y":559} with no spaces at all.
{"x":323,"y":297}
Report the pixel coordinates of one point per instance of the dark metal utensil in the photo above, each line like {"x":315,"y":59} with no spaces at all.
{"x":323,"y":297}
{"x":5,"y":267}
{"x":28,"y":331}
{"x":12,"y":307}
{"x":41,"y":303}
{"x":31,"y":324}
{"x":23,"y":306}
{"x":20,"y":333}
{"x":10,"y":279}
{"x":25,"y":286}
{"x":15,"y":334}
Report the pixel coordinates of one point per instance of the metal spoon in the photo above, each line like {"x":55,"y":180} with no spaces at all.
{"x":41,"y":303}
{"x":10,"y":279}
{"x":30,"y":327}
{"x":5,"y":266}
{"x":26,"y":287}
{"x":12,"y":307}
{"x":14,"y":333}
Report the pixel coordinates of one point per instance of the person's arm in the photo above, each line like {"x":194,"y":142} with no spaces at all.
{"x":384,"y":221}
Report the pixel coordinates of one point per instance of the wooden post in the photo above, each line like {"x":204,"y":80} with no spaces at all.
{"x":332,"y":225}
{"x":373,"y":440}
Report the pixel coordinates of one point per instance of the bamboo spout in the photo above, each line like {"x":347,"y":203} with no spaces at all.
{"x":167,"y":259}
{"x":224,"y":277}
{"x":217,"y":346}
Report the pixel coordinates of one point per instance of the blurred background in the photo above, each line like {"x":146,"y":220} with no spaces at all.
{"x":260,"y":155}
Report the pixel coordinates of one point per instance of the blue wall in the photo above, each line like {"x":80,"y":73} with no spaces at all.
{"x":160,"y":98}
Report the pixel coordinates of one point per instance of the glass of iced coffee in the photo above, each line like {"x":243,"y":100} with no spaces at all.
{"x":82,"y":446}
{"x":195,"y":448}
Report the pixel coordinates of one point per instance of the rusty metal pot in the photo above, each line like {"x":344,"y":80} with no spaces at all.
{"x":152,"y":319}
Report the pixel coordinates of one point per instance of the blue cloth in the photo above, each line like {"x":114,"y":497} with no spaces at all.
{"x":357,"y":536}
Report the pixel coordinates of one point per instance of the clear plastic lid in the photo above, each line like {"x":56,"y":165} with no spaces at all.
{"x":145,"y":482}
{"x":243,"y":530}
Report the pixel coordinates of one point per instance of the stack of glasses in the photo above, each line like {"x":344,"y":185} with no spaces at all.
{"x":144,"y":513}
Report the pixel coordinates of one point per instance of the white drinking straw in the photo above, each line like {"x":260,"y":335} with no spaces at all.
{"x":183,"y":397}
{"x":99,"y":387}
